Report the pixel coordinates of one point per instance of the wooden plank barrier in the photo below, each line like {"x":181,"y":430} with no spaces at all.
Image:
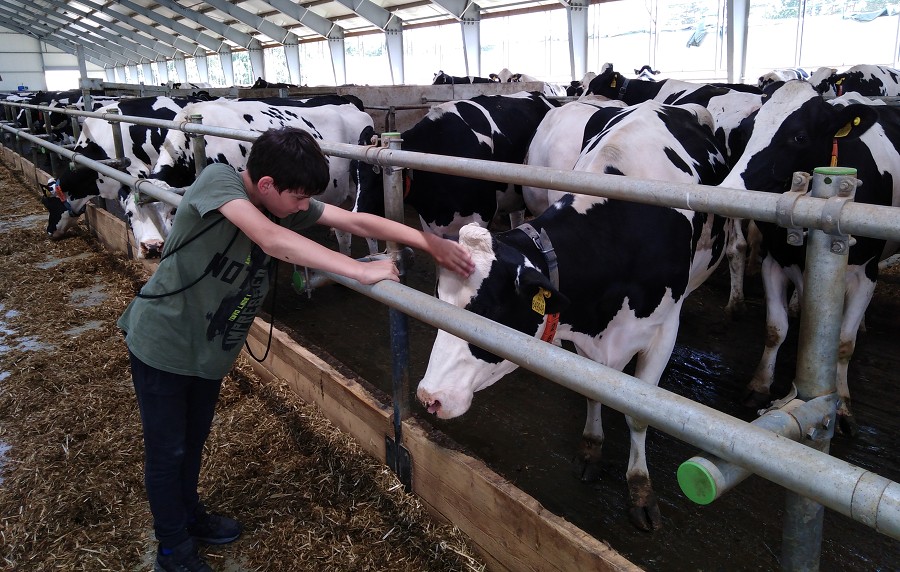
{"x":510,"y":529}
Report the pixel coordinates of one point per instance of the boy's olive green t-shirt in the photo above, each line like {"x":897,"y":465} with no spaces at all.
{"x":201,"y":330}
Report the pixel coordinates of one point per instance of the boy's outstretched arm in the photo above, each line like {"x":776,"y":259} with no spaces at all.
{"x":449,"y":254}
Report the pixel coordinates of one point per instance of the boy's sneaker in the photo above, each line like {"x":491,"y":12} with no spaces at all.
{"x":211,"y":528}
{"x":182,"y":558}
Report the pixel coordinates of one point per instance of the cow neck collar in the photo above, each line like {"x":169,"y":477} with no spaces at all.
{"x":623,"y":88}
{"x":542,"y":242}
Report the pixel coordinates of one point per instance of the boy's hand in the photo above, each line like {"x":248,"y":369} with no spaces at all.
{"x":451,"y":255}
{"x":377,"y":271}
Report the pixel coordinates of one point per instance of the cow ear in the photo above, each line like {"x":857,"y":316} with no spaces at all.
{"x":537,"y":291}
{"x":854,"y":120}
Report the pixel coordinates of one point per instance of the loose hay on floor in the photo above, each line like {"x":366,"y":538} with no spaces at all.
{"x":72,"y":495}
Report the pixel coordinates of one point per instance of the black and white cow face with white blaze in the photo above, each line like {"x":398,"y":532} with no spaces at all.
{"x":501,"y":289}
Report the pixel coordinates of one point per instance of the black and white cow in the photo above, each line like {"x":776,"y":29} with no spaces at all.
{"x":781,"y":74}
{"x":260,"y":83}
{"x":331,"y":118}
{"x":141,"y":147}
{"x":728,"y":106}
{"x":441,"y":78}
{"x":622,"y":273}
{"x":577,"y":88}
{"x":490,"y":127}
{"x":549,"y":89}
{"x":61,"y":130}
{"x":870,"y":80}
{"x":796,"y":130}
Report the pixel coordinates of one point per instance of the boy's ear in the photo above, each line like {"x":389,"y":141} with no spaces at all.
{"x":266,"y":184}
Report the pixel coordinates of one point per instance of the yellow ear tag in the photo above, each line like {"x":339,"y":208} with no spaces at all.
{"x":538,"y":303}
{"x":843,"y":131}
{"x":839,"y":82}
{"x":613,"y":84}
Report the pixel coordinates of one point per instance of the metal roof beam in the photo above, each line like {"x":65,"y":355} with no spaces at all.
{"x":63,"y":45}
{"x":196,"y":35}
{"x":159,"y":35}
{"x":374,"y":14}
{"x":143,"y":51}
{"x":274,"y":31}
{"x":41,"y":15}
{"x":232,"y":34}
{"x":460,"y":9}
{"x":318,"y":24}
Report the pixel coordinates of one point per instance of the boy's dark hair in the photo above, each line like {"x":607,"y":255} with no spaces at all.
{"x":292,"y":158}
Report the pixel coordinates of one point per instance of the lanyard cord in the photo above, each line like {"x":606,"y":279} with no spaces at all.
{"x":205,"y":272}
{"x":274,"y":262}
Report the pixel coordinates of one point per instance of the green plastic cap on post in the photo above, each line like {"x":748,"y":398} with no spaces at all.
{"x":298,"y":281}
{"x":696,"y":482}
{"x":836,"y":171}
{"x":391,"y":134}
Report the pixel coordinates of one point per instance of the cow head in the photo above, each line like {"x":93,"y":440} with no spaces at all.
{"x":607,"y":83}
{"x":793,"y":131}
{"x":63,"y":210}
{"x":503,"y":288}
{"x":150,"y":223}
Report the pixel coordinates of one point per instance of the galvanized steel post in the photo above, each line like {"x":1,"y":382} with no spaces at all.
{"x":824,"y":285}
{"x":48,"y":127}
{"x":199,"y":144}
{"x":116,"y":127}
{"x":397,"y":455}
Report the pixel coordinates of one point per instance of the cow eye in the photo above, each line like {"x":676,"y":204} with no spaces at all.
{"x":801,"y":139}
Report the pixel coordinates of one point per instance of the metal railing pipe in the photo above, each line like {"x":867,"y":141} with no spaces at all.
{"x":856,"y":218}
{"x":841,"y":486}
{"x":145,"y":186}
{"x":705,"y":478}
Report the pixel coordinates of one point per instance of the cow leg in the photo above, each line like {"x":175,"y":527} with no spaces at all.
{"x":644,"y":512}
{"x":343,"y":239}
{"x":736,"y":251}
{"x":775,"y":282}
{"x":859,"y":293}
{"x":516,"y":219}
{"x":587,"y":461}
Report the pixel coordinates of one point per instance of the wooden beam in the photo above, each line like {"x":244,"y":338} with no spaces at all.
{"x":511,"y":530}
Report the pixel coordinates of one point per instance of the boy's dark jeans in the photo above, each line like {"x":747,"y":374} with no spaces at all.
{"x":176,"y":414}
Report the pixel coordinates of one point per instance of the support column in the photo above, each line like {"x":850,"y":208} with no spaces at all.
{"x":202,"y":67}
{"x":737,"y":13}
{"x":393,"y":39}
{"x":180,"y":69}
{"x":336,"y":46}
{"x":577,"y":15}
{"x":147,"y":69}
{"x":227,"y":61}
{"x":257,"y":62}
{"x":470,"y":24}
{"x":162,"y":71}
{"x":292,"y":56}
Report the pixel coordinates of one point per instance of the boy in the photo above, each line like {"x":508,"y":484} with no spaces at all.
{"x":187,"y":325}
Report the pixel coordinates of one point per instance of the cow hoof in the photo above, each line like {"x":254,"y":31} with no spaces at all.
{"x":587,"y":461}
{"x":847,"y":425}
{"x":734,"y":312}
{"x":646,"y":518}
{"x":756,"y":400}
